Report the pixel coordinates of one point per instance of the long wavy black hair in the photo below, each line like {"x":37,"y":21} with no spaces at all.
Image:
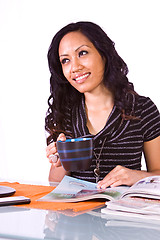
{"x":63,"y":95}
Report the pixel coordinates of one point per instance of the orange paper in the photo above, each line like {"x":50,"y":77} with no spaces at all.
{"x":35,"y":192}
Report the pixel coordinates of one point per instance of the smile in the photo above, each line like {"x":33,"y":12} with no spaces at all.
{"x":81,"y":78}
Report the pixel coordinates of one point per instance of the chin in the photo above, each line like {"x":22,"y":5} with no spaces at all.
{"x":83,"y":89}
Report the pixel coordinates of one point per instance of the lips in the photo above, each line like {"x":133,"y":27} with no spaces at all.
{"x":81,"y":78}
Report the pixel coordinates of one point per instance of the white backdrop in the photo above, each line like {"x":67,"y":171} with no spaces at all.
{"x":26,"y":30}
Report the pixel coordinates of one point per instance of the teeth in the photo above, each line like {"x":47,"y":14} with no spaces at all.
{"x":81,"y":77}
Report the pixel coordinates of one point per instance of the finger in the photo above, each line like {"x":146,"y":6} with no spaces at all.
{"x":51,"y":151}
{"x":112,"y":183}
{"x":61,"y":137}
{"x":105,"y":183}
{"x":57,"y":164}
{"x":111,"y":177}
{"x":117,"y":183}
{"x":50,"y":146}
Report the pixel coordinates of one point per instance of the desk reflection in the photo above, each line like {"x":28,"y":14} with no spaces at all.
{"x":91,"y":226}
{"x":21,"y":223}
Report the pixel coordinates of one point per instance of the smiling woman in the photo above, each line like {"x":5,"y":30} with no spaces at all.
{"x":82,"y":64}
{"x":91,"y":95}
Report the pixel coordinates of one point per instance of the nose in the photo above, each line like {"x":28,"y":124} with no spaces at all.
{"x":76,"y":66}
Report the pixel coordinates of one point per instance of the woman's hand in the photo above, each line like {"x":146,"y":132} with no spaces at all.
{"x":121,"y":176}
{"x":124,"y":176}
{"x":51,"y":151}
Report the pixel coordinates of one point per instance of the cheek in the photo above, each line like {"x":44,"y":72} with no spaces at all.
{"x":96,"y":63}
{"x":101,"y":67}
{"x":98,"y":70}
{"x":66,"y":72}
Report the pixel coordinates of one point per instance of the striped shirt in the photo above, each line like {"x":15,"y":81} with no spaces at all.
{"x":119,"y":142}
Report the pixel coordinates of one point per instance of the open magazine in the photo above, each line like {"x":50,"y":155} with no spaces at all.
{"x":73,"y":190}
{"x":142,"y":198}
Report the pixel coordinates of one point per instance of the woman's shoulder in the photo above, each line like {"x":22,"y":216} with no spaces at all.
{"x":145,"y":106}
{"x":144,"y":102}
{"x":143,"y":99}
{"x":149,"y":116}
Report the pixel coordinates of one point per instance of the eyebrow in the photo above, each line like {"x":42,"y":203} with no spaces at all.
{"x":63,"y":55}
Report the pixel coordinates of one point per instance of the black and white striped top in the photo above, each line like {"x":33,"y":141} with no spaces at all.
{"x":122,"y":140}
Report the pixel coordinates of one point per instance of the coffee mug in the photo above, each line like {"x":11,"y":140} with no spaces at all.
{"x":76,"y":153}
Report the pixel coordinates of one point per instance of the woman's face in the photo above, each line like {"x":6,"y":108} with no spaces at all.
{"x":82,"y":64}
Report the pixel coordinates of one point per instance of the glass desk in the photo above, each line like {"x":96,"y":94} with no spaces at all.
{"x":20,"y":223}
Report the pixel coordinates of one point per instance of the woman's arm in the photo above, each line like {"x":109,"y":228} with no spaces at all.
{"x":56,"y":174}
{"x":152,"y":155}
{"x":124,"y":176}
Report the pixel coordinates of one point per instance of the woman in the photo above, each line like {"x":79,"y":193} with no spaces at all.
{"x":91,"y":95}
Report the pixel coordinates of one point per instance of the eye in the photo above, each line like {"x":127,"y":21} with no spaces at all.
{"x":64,"y":61}
{"x":82,"y":53}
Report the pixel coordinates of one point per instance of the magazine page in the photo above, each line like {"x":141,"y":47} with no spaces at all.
{"x":110,"y":214}
{"x":135,"y":205}
{"x":134,"y":223}
{"x":72,"y":190}
{"x":146,"y":187}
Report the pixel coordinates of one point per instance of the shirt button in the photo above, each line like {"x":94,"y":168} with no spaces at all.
{"x":100,"y":141}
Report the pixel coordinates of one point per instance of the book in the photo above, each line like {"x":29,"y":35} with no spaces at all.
{"x":74,"y":190}
{"x":142,"y":198}
{"x":133,"y":222}
{"x":125,"y":219}
{"x":116,"y":216}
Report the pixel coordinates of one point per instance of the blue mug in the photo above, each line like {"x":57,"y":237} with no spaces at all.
{"x":76,"y":153}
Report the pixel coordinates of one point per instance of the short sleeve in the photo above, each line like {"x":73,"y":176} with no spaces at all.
{"x":150,"y":120}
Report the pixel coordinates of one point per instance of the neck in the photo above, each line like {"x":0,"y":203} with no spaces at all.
{"x":101,"y":100}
